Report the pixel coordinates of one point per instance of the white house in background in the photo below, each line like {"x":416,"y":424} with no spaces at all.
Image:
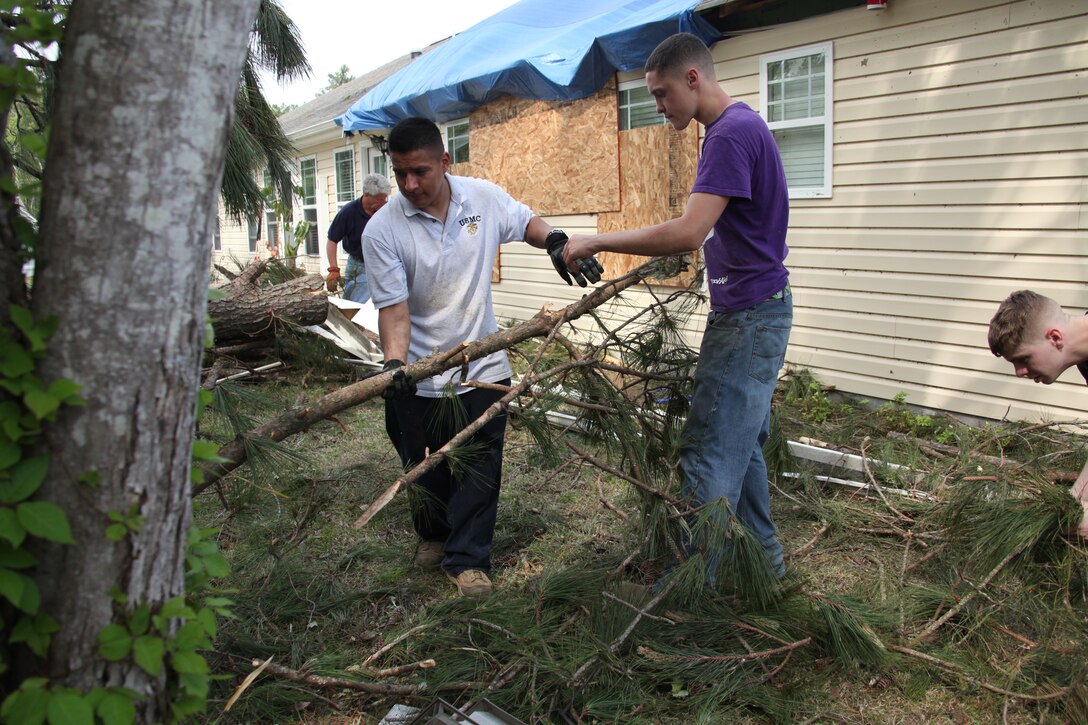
{"x":937,"y":154}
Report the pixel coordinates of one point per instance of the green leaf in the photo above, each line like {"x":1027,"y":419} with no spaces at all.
{"x":26,"y":477}
{"x":116,"y":709}
{"x":206,"y":618}
{"x":189,"y":663}
{"x":207,"y":451}
{"x":191,"y":637}
{"x":15,"y":362}
{"x":141,"y":618}
{"x":173,"y":607}
{"x":148,"y":652}
{"x":23,"y":319}
{"x":69,"y":709}
{"x":9,"y":452}
{"x":114,"y":642}
{"x":216,"y":565}
{"x":34,"y":631}
{"x":10,"y":528}
{"x":45,"y":520}
{"x":116,"y":532}
{"x":14,"y":558}
{"x":11,"y":585}
{"x":64,"y":390}
{"x":40,"y":402}
{"x":26,"y":706}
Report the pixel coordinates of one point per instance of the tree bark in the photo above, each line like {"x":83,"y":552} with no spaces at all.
{"x":250,"y":311}
{"x":302,"y":417}
{"x":145,"y":95}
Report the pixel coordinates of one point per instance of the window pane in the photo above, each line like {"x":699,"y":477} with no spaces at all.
{"x":252,"y":230}
{"x":308,"y":172}
{"x":638,"y":108}
{"x":272,"y":229}
{"x":774,"y":70}
{"x":345,"y":175}
{"x":802,"y":152}
{"x":310,"y":215}
{"x":457,"y":143}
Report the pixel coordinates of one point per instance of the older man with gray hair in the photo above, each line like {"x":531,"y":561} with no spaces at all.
{"x":348,"y":228}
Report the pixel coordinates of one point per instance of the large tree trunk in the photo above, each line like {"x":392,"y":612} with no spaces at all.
{"x":145,"y":93}
{"x":250,"y":311}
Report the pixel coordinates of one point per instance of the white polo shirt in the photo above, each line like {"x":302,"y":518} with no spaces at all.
{"x":444,"y":271}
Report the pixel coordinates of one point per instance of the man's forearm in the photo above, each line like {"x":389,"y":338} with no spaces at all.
{"x":394,"y":331}
{"x":330,"y":252}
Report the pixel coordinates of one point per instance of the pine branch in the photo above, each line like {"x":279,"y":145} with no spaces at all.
{"x":964,"y":601}
{"x":374,"y":688}
{"x":301,"y":418}
{"x":431,"y":461}
{"x":950,"y":667}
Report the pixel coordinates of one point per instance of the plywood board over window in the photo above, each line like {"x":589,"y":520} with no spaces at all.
{"x":559,"y":158}
{"x":657,"y":171}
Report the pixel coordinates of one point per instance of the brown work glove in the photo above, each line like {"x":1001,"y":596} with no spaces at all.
{"x":332,"y":279}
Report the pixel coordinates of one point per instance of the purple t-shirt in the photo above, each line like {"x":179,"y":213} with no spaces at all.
{"x":745,"y":252}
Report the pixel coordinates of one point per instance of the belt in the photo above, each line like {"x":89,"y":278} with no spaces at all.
{"x":784,"y":292}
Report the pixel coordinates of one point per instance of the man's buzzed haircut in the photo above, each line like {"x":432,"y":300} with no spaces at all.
{"x":1017,"y":319}
{"x":679,"y":52}
{"x":413,"y":134}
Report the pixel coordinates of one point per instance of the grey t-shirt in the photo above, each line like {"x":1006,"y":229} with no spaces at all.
{"x":443,"y":270}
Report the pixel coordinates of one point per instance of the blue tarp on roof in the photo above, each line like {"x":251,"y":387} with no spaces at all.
{"x":536,"y":49}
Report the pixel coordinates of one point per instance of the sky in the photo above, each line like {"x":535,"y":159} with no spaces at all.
{"x":364,"y":34}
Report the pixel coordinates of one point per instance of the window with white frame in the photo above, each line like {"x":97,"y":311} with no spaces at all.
{"x":308,"y":175}
{"x":271,"y":221}
{"x":637,"y":107}
{"x":457,"y":141}
{"x":254,"y":230}
{"x":378,"y":163}
{"x":795,"y":89}
{"x":344,"y":161}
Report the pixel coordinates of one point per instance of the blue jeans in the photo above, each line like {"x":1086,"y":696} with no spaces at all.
{"x":721,"y":455}
{"x":356,"y":287}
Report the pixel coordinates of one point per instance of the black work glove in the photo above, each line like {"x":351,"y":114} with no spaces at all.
{"x":402,"y":385}
{"x":590,"y":268}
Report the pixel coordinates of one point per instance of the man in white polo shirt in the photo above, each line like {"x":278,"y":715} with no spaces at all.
{"x":429,"y":253}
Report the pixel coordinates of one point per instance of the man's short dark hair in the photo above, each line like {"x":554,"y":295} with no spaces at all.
{"x":680,"y":52}
{"x":413,"y":134}
{"x":1017,"y":319}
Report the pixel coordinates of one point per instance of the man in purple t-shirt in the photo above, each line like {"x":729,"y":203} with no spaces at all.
{"x":740,"y":196}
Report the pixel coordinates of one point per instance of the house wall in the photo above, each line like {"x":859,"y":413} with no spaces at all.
{"x":960,"y":168}
{"x":235,"y":239}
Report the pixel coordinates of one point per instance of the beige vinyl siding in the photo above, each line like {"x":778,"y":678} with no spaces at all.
{"x":960,"y":166}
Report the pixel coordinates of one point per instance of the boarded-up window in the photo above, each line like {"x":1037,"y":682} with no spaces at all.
{"x":797,"y":105}
{"x":657,"y":171}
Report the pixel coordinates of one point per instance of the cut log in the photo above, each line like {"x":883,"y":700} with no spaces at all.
{"x":250,"y":311}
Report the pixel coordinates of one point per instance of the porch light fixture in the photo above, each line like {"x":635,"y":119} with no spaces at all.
{"x":379,"y":142}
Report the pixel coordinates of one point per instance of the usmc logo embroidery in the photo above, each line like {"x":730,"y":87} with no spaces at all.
{"x":471,"y":223}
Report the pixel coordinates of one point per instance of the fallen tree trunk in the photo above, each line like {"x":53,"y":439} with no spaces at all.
{"x":249,"y":311}
{"x":302,"y":417}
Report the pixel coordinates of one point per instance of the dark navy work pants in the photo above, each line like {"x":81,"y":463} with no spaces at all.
{"x":454,"y":504}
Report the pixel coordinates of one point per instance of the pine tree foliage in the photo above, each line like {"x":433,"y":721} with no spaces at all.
{"x":670,"y":614}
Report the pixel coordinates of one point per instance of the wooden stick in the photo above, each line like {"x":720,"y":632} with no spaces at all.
{"x":963,"y":602}
{"x":650,"y":654}
{"x":949,"y":666}
{"x":811,"y":542}
{"x":879,"y":490}
{"x":374,"y":688}
{"x":620,"y":474}
{"x":397,"y":640}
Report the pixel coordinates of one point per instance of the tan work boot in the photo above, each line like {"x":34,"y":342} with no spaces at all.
{"x":429,"y":554}
{"x":472,"y":583}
